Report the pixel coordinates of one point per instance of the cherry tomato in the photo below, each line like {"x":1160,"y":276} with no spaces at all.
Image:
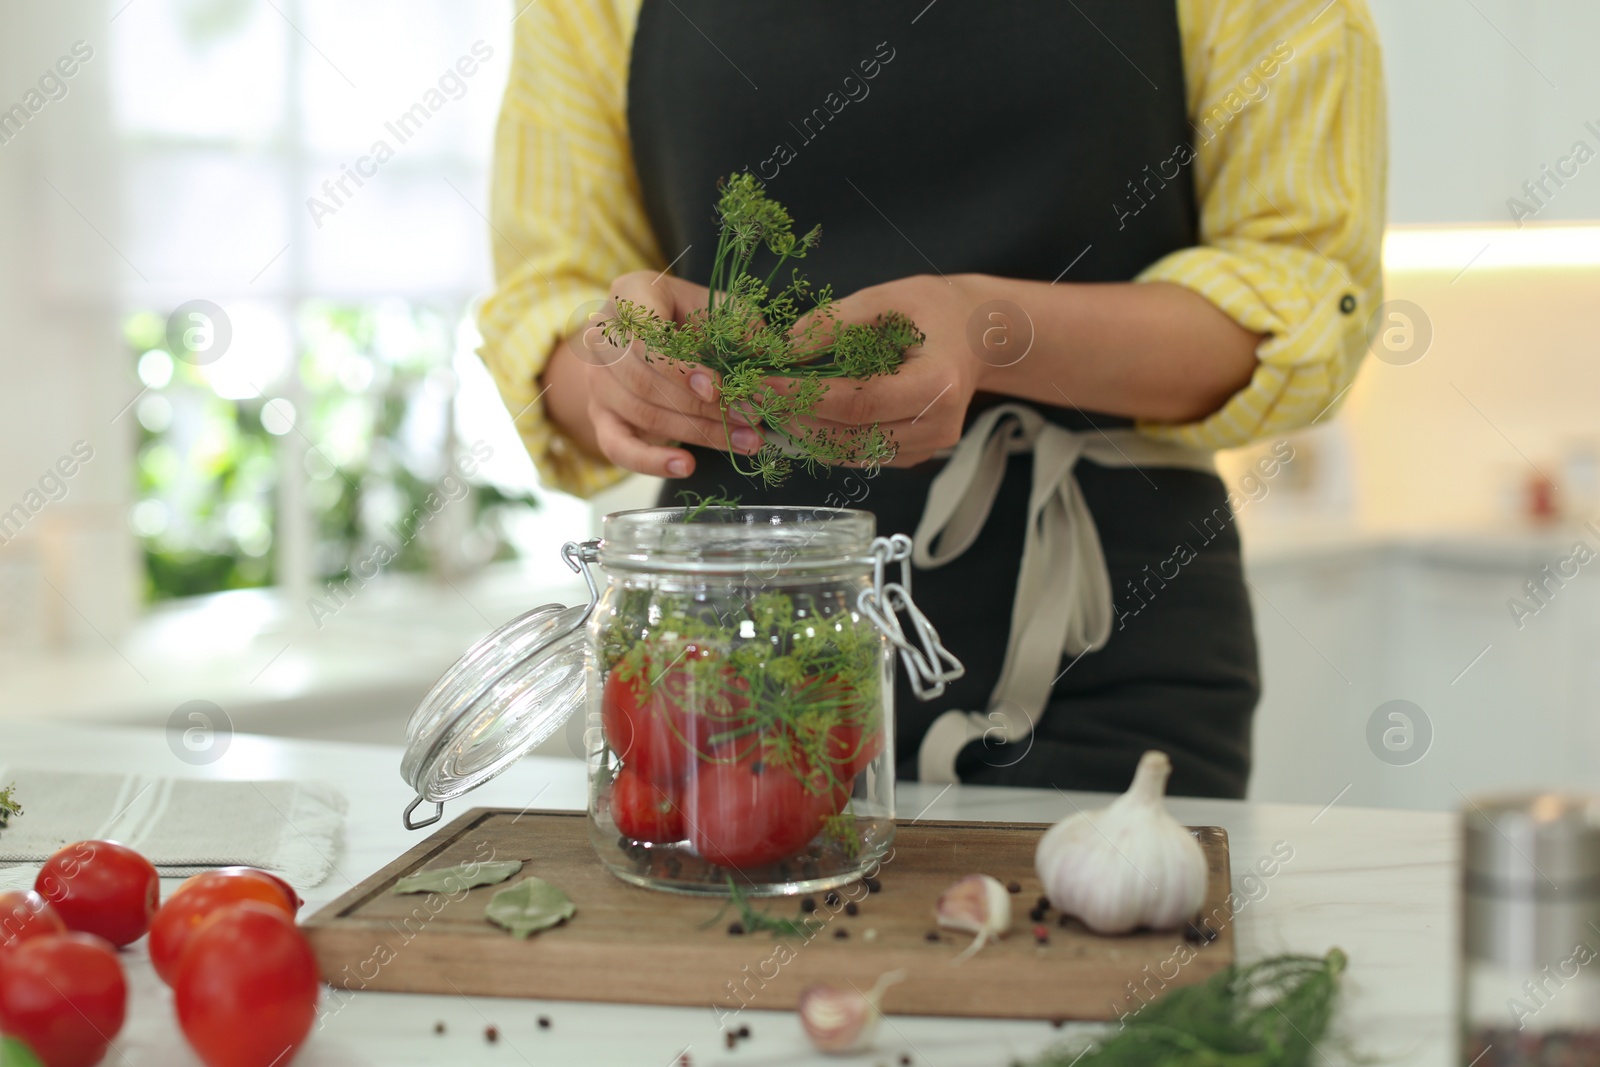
{"x":101,"y":888}
{"x":741,"y":812}
{"x":247,"y":987}
{"x":290,"y":897}
{"x":196,"y":901}
{"x":24,"y":915}
{"x":644,"y":810}
{"x":64,"y":996}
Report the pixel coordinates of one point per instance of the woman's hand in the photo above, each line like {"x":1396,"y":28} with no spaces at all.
{"x":923,"y":405}
{"x":615,"y":404}
{"x":1151,"y":351}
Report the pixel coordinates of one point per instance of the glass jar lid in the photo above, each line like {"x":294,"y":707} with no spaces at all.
{"x":509,"y":692}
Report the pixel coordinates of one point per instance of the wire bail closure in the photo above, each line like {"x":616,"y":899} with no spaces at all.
{"x":578,"y":555}
{"x":931,"y":666}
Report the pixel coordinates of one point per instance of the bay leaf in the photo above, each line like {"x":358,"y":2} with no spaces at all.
{"x":531,"y":905}
{"x":455,"y":879}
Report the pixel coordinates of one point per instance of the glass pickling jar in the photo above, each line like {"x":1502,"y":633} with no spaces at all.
{"x":736,"y":668}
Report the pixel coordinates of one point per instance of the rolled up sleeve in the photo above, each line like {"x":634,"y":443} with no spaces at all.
{"x":1287,"y":104}
{"x":566,"y":213}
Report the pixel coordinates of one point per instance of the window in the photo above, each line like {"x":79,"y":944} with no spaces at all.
{"x":306,"y":183}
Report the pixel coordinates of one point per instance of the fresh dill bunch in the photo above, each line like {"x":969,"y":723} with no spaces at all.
{"x":1270,"y":1013}
{"x":750,"y":333}
{"x":8,"y":805}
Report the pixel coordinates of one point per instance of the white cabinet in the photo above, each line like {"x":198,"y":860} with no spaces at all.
{"x":1482,"y":95}
{"x":1507,"y":707}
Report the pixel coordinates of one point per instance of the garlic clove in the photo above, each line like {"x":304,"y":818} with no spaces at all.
{"x":978,"y":905}
{"x":843,"y":1020}
{"x":1127,"y":865}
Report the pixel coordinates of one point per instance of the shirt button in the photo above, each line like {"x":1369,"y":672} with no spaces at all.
{"x":1348,"y":304}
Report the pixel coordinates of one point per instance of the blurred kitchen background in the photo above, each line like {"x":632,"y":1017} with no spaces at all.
{"x":202,"y":547}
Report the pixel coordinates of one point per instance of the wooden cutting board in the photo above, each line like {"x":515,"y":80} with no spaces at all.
{"x":642,"y":946}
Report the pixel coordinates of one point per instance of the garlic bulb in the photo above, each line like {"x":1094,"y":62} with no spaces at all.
{"x":977,"y":904}
{"x":843,"y":1020}
{"x":1128,"y":865}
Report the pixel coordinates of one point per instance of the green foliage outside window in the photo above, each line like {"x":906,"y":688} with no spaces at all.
{"x":378,"y":440}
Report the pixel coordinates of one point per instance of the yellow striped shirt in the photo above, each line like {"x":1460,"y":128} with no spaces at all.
{"x":1286,"y":100}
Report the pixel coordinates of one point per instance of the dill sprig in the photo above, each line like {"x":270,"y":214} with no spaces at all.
{"x":8,"y":805}
{"x":751,"y":334}
{"x":841,"y":829}
{"x":1268,"y":1014}
{"x":696,"y":504}
{"x":755,"y":921}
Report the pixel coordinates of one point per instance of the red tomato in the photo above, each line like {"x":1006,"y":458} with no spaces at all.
{"x":849,"y":747}
{"x":247,"y":987}
{"x":101,"y":888}
{"x":659,"y":724}
{"x":290,"y":897}
{"x":24,"y":915}
{"x":197,"y":900}
{"x":849,"y":751}
{"x":644,"y":810}
{"x":64,"y":996}
{"x":743,"y":813}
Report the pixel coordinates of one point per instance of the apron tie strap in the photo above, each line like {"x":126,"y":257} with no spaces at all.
{"x":1063,"y":600}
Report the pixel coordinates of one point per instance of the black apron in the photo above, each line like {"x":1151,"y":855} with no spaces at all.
{"x":1008,"y":138}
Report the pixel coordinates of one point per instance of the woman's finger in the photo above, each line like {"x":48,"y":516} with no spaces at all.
{"x":623,"y":446}
{"x":669,"y":424}
{"x":660,"y":382}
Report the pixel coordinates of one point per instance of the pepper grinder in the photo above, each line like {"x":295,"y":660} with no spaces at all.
{"x":1530,"y":935}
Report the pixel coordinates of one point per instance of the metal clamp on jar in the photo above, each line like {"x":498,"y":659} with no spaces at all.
{"x":1531,"y":932}
{"x":737,"y":669}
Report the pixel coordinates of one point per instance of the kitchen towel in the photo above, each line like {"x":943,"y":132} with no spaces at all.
{"x":183,"y":826}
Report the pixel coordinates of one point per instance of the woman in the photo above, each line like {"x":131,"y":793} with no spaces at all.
{"x":1133,"y":231}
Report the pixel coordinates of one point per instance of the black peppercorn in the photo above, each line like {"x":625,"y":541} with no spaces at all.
{"x":808,"y":905}
{"x":841,"y":933}
{"x":852,"y":908}
{"x":905,"y":1060}
{"x":1043,"y":903}
{"x":1036,"y":914}
{"x":438,"y":1027}
{"x":744,"y":1032}
{"x":832,"y":899}
{"x":931,"y":935}
{"x":736,"y":928}
{"x":872,"y":884}
{"x":1013,"y":887}
{"x":544,"y":1022}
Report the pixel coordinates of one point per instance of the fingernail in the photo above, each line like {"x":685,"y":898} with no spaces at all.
{"x":746,"y":440}
{"x":677,"y":468}
{"x":700,"y":384}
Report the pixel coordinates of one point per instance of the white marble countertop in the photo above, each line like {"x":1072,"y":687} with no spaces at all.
{"x":1379,"y":884}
